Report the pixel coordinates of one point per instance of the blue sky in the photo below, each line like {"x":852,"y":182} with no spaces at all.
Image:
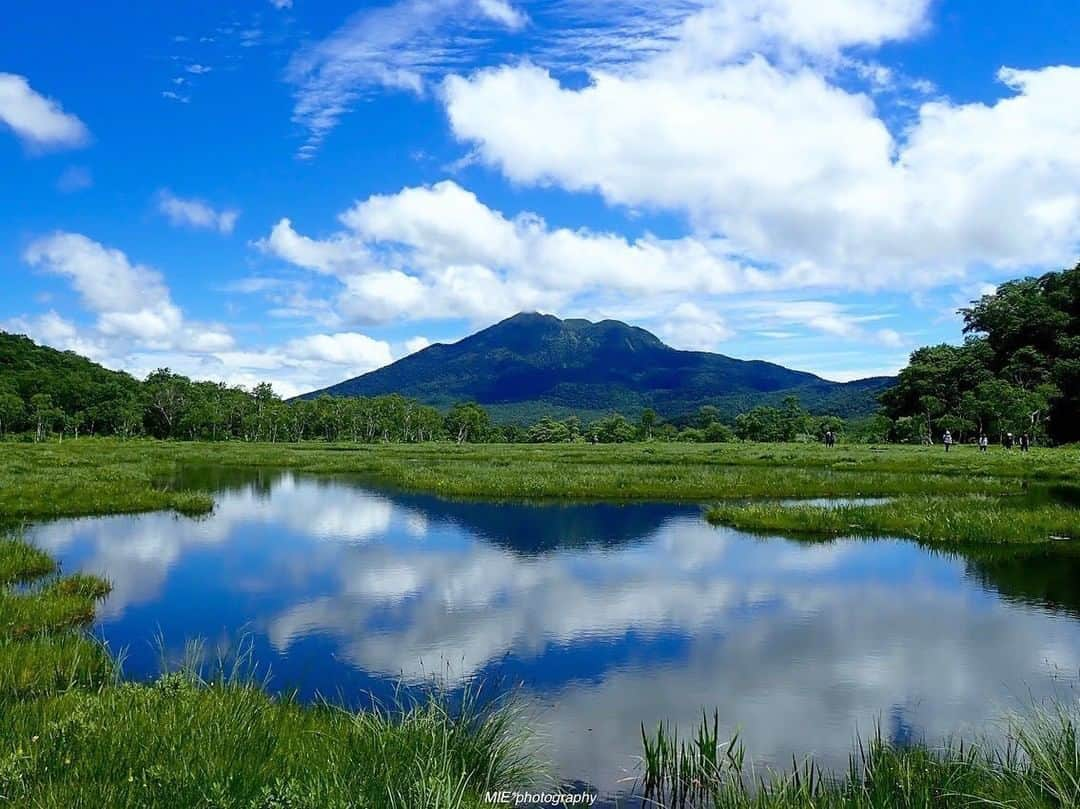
{"x":302,"y":191}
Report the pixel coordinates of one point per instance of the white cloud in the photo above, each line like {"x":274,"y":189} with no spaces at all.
{"x":54,"y":330}
{"x":195,"y":213}
{"x":198,"y":69}
{"x":414,"y":344}
{"x":138,"y":328}
{"x":737,"y":125}
{"x":618,"y":34}
{"x":281,"y":4}
{"x":39,"y":122}
{"x":502,"y":12}
{"x":396,"y":46}
{"x":438,"y":252}
{"x":347,"y":348}
{"x":694,"y":328}
{"x":337,"y":254}
{"x":728,"y":29}
{"x":131,"y":301}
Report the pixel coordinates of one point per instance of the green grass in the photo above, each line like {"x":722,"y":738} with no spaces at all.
{"x":961,"y":497}
{"x":1038,"y":768}
{"x":184,"y":743}
{"x":972,"y":519}
{"x":49,"y":664}
{"x":20,"y":562}
{"x":96,"y":476}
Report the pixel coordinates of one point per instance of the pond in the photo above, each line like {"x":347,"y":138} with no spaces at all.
{"x":599,"y":616}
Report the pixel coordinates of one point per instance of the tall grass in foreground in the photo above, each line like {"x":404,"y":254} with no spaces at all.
{"x":1038,"y":767}
{"x":185,"y":743}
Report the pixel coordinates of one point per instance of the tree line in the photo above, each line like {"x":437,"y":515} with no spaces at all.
{"x":1017,"y":372}
{"x":50,"y":394}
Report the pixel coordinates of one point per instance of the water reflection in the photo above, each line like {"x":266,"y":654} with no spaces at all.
{"x":607,"y":616}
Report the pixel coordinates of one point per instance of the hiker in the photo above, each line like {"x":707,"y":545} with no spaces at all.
{"x":830,"y":439}
{"x":984,"y":442}
{"x":947,"y":439}
{"x":1025,"y":443}
{"x":1008,"y":441}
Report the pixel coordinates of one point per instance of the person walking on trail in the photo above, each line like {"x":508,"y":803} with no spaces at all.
{"x":1025,"y":442}
{"x":1008,"y":440}
{"x":947,"y":440}
{"x":984,"y":442}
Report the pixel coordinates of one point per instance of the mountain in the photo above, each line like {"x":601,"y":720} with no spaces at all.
{"x":532,"y":365}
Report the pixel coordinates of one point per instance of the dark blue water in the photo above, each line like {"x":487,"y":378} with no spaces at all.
{"x":602,"y":616}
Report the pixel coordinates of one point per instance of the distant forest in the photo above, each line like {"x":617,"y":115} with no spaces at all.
{"x":1018,"y":371}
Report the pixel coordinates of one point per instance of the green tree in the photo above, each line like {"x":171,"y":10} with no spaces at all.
{"x":717,"y":433}
{"x":548,"y":431}
{"x":167,"y":395}
{"x":45,"y":414}
{"x":467,"y":421}
{"x":647,"y":423}
{"x":12,"y":411}
{"x":706,"y":415}
{"x":612,"y":429}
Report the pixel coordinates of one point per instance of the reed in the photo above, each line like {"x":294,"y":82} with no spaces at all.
{"x":1036,"y":767}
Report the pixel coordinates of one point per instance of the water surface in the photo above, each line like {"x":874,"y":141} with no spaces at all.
{"x":602,"y":616}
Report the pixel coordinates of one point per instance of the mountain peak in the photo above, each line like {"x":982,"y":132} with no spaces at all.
{"x":534,"y":364}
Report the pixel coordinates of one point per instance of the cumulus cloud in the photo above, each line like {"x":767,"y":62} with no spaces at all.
{"x":336,"y":254}
{"x":727,"y":29}
{"x":37,"y":121}
{"x":739,"y":126}
{"x":131,"y":301}
{"x":439,"y":252}
{"x":195,"y":213}
{"x":138,"y":327}
{"x":347,"y":348}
